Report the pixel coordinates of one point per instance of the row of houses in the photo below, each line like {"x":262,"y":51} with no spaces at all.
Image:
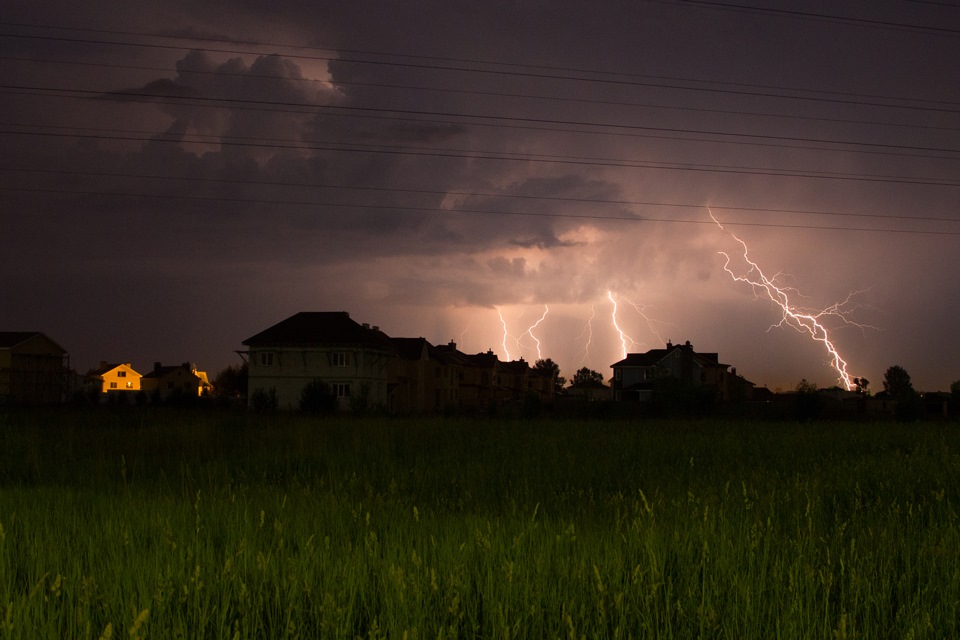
{"x":35,"y":370}
{"x":361,"y":365}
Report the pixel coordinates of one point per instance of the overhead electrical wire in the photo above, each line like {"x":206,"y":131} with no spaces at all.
{"x":491,"y":155}
{"x":412,"y":209}
{"x":503,"y":121}
{"x":470,"y":194}
{"x":494,"y":94}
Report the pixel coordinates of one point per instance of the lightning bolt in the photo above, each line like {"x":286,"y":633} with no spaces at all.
{"x":506,"y":335}
{"x":588,"y":330}
{"x":529,"y":331}
{"x":641,"y":309}
{"x":803,"y":320}
{"x":624,"y":338}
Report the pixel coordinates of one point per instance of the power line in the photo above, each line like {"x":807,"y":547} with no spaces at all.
{"x":471,"y":194}
{"x":792,"y":13}
{"x":618,"y":127}
{"x":494,"y":94}
{"x":410,"y":209}
{"x":760,"y":92}
{"x":506,"y":156}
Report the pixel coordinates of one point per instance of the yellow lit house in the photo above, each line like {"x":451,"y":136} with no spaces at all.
{"x":117,"y":377}
{"x":183,"y":379}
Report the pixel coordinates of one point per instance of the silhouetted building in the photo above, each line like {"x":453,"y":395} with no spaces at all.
{"x":33,"y":368}
{"x":637,"y":376}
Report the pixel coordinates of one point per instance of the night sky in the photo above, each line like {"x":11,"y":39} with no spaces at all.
{"x":178,"y":176}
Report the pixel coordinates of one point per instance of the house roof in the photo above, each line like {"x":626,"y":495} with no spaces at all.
{"x":160,"y":371}
{"x":106,"y":367}
{"x":653,"y":356}
{"x":317,"y":328}
{"x":10,"y":339}
{"x":410,"y":348}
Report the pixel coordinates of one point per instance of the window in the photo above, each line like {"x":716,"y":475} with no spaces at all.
{"x":113,"y":385}
{"x":266,"y":359}
{"x":648,"y":374}
{"x":129,"y":385}
{"x":341,"y":359}
{"x":342,"y":389}
{"x":618,"y":374}
{"x":121,"y":374}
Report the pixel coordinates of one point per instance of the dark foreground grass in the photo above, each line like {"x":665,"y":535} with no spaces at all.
{"x":146,"y":524}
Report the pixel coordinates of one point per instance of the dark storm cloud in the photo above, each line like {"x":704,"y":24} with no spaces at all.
{"x":424,"y":163}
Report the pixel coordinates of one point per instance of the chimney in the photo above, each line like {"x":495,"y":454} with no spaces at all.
{"x":376,"y":327}
{"x":365,"y":325}
{"x":452,"y":344}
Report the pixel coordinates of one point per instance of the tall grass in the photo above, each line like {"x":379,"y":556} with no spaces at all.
{"x":142,"y":524}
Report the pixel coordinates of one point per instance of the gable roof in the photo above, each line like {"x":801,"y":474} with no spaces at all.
{"x":653,"y":356}
{"x":318,"y":328}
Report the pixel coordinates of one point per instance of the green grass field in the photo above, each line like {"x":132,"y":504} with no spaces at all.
{"x":162,"y":524}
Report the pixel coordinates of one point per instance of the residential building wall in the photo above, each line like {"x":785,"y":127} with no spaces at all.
{"x":33,"y":371}
{"x":119,"y":378}
{"x":346,"y":368}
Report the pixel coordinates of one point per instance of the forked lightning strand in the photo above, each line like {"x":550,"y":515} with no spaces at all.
{"x":503,"y":323}
{"x":624,"y":338}
{"x":803,"y":320}
{"x":588,"y":330}
{"x":546,"y":310}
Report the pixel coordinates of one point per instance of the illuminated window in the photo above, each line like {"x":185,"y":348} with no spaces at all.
{"x":129,"y":385}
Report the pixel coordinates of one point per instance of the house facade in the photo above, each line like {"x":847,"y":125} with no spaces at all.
{"x":33,"y":368}
{"x":635,"y":377}
{"x":182,"y":379}
{"x":353,"y":359}
{"x":116,"y":377}
{"x":399,"y":375}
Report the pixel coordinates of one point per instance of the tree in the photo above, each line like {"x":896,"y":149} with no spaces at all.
{"x":896,"y":382}
{"x":231,"y":382}
{"x":550,"y":367}
{"x":808,"y":401}
{"x":585,"y":376}
{"x":862,"y":385}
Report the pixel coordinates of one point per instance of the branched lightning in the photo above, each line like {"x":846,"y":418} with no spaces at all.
{"x":803,"y":320}
{"x":503,"y":323}
{"x":588,"y":330}
{"x":529,"y":331}
{"x":625,"y":341}
{"x":641,"y":309}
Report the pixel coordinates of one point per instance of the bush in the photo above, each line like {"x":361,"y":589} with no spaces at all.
{"x":264,"y":401}
{"x":317,"y":397}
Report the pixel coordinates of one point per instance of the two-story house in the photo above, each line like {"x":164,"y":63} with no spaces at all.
{"x":635,"y":377}
{"x":116,"y":377}
{"x":33,"y":368}
{"x":352,"y":359}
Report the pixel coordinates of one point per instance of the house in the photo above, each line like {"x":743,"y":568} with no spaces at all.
{"x":589,"y":391}
{"x":182,"y":379}
{"x":33,"y":368}
{"x":116,"y":377}
{"x":636,"y":376}
{"x":353,"y":359}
